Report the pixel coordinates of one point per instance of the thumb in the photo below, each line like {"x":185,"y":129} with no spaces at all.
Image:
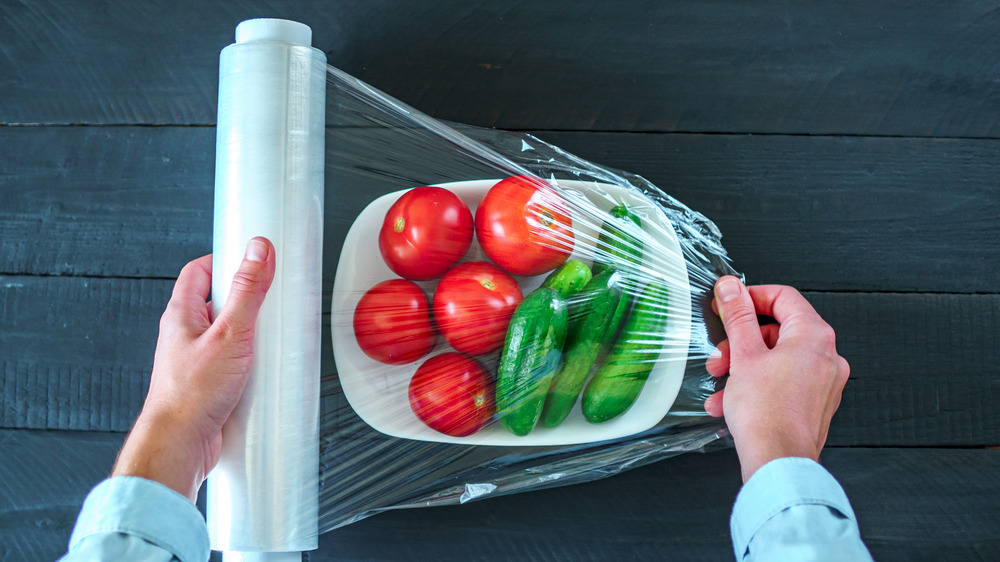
{"x":250,"y":285}
{"x":739,"y":317}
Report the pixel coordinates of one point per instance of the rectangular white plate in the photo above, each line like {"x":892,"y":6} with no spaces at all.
{"x":378,"y":392}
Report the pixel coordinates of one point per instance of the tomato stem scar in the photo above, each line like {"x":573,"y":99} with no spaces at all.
{"x":399,"y":224}
{"x":488,"y":284}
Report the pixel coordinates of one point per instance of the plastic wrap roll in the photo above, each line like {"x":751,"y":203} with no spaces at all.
{"x":262,"y":496}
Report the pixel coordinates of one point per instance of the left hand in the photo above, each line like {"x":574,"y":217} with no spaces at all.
{"x":200,"y":369}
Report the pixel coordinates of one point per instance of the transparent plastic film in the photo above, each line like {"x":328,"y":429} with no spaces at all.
{"x":505,"y":316}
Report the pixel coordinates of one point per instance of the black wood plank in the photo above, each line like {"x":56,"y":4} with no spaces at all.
{"x":76,"y":353}
{"x":129,"y":202}
{"x":913,"y":359}
{"x":912,"y":504}
{"x":897,"y":214}
{"x":885,"y":68}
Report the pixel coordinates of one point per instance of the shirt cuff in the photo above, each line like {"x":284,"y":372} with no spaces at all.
{"x":147,"y":510}
{"x":777,"y":486}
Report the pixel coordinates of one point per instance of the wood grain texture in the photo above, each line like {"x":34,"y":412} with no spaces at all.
{"x":76,"y":353}
{"x":917,"y":506}
{"x":913,"y":359}
{"x":883,"y":68}
{"x":912,"y":504}
{"x":125,"y":202}
{"x":44,"y":476}
{"x":899,"y":214}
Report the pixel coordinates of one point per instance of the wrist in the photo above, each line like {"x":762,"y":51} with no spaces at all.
{"x":756,"y":452}
{"x":163,"y":449}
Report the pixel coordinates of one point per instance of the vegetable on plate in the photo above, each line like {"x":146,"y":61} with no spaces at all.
{"x":472,"y":305}
{"x":425,"y":232}
{"x":618,"y":245}
{"x":618,"y":382}
{"x":392,"y":323}
{"x":531,"y":353}
{"x":591,"y":333}
{"x":452,"y":393}
{"x":524,"y":226}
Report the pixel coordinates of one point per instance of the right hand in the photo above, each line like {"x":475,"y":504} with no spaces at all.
{"x":785,"y":380}
{"x":200,"y":369}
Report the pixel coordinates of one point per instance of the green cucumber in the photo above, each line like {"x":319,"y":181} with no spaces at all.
{"x":531,"y":353}
{"x":606,"y":306}
{"x":569,"y":278}
{"x":617,"y":383}
{"x":617,"y":248}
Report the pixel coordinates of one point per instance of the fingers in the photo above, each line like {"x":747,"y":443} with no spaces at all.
{"x":769,"y":332}
{"x":187,"y":310}
{"x":717,"y":363}
{"x":784,"y":304}
{"x":193,"y":285}
{"x":713,"y":404}
{"x":250,"y":285}
{"x":739,"y":316}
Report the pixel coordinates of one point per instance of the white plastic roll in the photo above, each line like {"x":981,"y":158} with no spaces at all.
{"x":262,"y":496}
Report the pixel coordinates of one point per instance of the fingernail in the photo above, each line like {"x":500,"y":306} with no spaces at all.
{"x":715,"y":353}
{"x":727,"y":289}
{"x":256,"y":250}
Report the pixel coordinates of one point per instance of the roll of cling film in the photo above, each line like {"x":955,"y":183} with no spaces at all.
{"x":262,"y":495}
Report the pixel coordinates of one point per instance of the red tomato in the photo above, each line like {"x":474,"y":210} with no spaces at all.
{"x":425,"y":232}
{"x":473,"y":304}
{"x":452,"y":393}
{"x":524,"y":226}
{"x":392,"y":323}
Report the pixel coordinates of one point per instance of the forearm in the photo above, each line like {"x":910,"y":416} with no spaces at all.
{"x":159,"y":449}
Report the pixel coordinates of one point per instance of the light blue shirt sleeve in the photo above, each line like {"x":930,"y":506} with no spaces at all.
{"x":131,"y":518}
{"x":793,"y":509}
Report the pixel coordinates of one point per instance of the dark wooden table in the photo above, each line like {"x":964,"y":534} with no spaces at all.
{"x":849,"y":149}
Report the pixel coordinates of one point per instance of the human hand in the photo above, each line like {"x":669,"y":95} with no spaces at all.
{"x":785,"y":380}
{"x":200,"y":369}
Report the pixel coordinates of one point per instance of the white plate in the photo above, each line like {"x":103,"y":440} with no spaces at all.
{"x":379,"y":392}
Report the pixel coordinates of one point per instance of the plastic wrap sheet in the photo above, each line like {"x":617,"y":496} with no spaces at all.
{"x":377,"y":451}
